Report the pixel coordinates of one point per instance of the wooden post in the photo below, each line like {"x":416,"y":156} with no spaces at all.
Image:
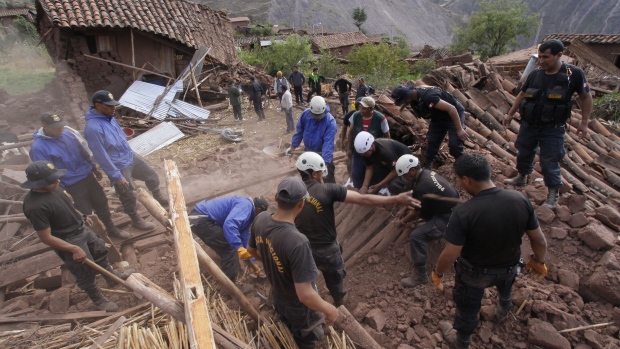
{"x":354,"y":330}
{"x":133,"y":55}
{"x":129,"y":253}
{"x":156,"y":295}
{"x":193,"y":77}
{"x":199,"y":330}
{"x":154,"y":207}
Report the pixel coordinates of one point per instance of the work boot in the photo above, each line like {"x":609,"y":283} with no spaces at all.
{"x":123,"y":275}
{"x":414,"y":281}
{"x":501,"y":312}
{"x":118,"y":233}
{"x":139,"y":223}
{"x":552,"y":198}
{"x":100,"y":302}
{"x":452,"y":337}
{"x":518,"y":181}
{"x":160,"y":198}
{"x":341,"y":301}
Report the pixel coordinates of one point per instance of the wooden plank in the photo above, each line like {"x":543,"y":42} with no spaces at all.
{"x":115,"y":326}
{"x":55,"y":317}
{"x":199,"y":330}
{"x":17,"y":177}
{"x":29,"y":267}
{"x":16,"y":145}
{"x":377,"y":223}
{"x":9,"y":230}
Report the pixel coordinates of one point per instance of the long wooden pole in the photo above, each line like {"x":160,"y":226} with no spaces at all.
{"x":354,"y":330}
{"x":200,"y":332}
{"x":126,"y":66}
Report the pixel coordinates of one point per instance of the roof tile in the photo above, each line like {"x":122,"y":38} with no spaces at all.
{"x":586,"y":38}
{"x":340,"y":40}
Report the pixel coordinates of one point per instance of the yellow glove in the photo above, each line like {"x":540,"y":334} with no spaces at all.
{"x":537,"y":270}
{"x":243,"y":253}
{"x":437,"y":281}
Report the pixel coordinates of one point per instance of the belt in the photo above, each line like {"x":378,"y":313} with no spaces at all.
{"x":74,"y":233}
{"x":468,"y":267}
{"x":539,"y":126}
{"x":322,"y":247}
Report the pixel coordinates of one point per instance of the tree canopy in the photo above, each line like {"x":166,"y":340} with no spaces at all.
{"x":494,"y":28}
{"x":359,"y":16}
{"x":378,"y":63}
{"x":281,"y":56}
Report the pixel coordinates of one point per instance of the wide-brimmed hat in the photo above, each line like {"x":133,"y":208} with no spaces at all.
{"x":41,"y":173}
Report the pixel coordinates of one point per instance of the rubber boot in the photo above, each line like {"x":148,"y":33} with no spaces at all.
{"x":139,"y":223}
{"x":100,"y":302}
{"x":419,"y":278}
{"x":454,"y":339}
{"x":113,"y":231}
{"x":518,"y":181}
{"x":123,"y":275}
{"x":341,"y":301}
{"x":502,"y":309}
{"x":160,"y":198}
{"x":552,"y":198}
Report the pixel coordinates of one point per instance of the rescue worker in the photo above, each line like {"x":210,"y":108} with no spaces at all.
{"x":314,"y":83}
{"x":344,"y":134}
{"x":225,"y":230}
{"x":61,"y":147}
{"x":436,"y":213}
{"x":318,"y":223}
{"x":50,"y":210}
{"x":485,"y":242}
{"x":379,"y":156}
{"x":545,"y":104}
{"x":317,"y":128}
{"x":110,"y":149}
{"x":278,"y":83}
{"x":446,"y":115}
{"x":234,"y":94}
{"x":343,"y":87}
{"x":256,"y":95}
{"x":297,"y":79}
{"x":290,"y":269}
{"x":362,"y":88}
{"x":368,"y":120}
{"x":287,"y":106}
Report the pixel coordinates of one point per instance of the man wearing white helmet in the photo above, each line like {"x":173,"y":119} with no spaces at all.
{"x":317,"y":220}
{"x":379,"y":156}
{"x":317,"y":128}
{"x":436,"y":213}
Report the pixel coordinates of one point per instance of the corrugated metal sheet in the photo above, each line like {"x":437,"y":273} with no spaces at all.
{"x":156,"y":138}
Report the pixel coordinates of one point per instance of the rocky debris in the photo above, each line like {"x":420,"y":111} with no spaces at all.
{"x":59,"y":300}
{"x":545,"y":335}
{"x":545,"y":214}
{"x":569,"y":279}
{"x":604,"y":283}
{"x":376,"y":319}
{"x":558,"y":233}
{"x":415,"y":315}
{"x":597,"y":236}
{"x":563,"y":213}
{"x":576,"y":203}
{"x":578,"y":220}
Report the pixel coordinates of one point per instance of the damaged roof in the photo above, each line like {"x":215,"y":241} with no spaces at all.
{"x":586,"y":38}
{"x":340,"y":40}
{"x":190,"y":24}
{"x":14,"y":12}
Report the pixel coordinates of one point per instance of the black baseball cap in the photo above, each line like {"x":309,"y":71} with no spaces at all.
{"x":40,"y":174}
{"x":53,"y":120}
{"x":105,"y":97}
{"x":261,"y":203}
{"x":292,"y":189}
{"x":401,"y":94}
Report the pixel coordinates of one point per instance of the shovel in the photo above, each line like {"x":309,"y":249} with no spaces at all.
{"x":276,"y":152}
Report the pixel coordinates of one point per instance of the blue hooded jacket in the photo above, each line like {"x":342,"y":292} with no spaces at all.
{"x":234,"y":214}
{"x":64,"y":152}
{"x":318,"y":136}
{"x":108,"y":143}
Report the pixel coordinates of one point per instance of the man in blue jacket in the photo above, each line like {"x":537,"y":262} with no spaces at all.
{"x":226,"y":229}
{"x":317,"y":128}
{"x":52,"y":143}
{"x":109,"y":145}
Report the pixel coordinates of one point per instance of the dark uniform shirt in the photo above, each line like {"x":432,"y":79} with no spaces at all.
{"x":490,"y":227}
{"x":342,"y":85}
{"x":577,"y":83}
{"x":430,"y":182}
{"x":52,"y":210}
{"x":285,"y":253}
{"x":428,"y":99}
{"x":317,"y":220}
{"x":387,"y":152}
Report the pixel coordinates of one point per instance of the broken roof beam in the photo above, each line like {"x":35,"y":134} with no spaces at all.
{"x":127,"y":66}
{"x":200,"y":331}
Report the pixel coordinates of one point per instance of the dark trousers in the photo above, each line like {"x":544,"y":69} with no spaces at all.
{"x":437,"y":130}
{"x":213,"y":235}
{"x":140,"y":170}
{"x":422,"y":235}
{"x":299,"y":97}
{"x":358,"y":172}
{"x":314,"y":90}
{"x":344,"y":101}
{"x":258,"y":107}
{"x":305,"y":324}
{"x":329,"y":261}
{"x":331,"y":169}
{"x":290,"y":125}
{"x":95,"y":250}
{"x":468,"y":292}
{"x":87,"y":195}
{"x":551,"y":143}
{"x":237,"y":112}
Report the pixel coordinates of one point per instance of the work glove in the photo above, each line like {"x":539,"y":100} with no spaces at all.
{"x":243,"y":253}
{"x":537,"y":270}
{"x":288,"y":151}
{"x":437,"y":281}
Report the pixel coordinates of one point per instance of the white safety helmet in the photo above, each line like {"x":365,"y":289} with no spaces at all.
{"x":405,"y":163}
{"x":363,"y":142}
{"x":317,"y":107}
{"x":311,"y":161}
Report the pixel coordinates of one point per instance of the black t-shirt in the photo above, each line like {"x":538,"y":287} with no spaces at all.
{"x":316,"y":220}
{"x":387,"y":151}
{"x":346,"y":118}
{"x":577,"y":80}
{"x":342,"y":85}
{"x":285,"y":252}
{"x":430,"y":182}
{"x":490,"y":227}
{"x":52,"y":210}
{"x":428,"y":99}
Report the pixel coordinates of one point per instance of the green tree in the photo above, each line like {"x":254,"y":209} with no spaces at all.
{"x":328,"y":64}
{"x":378,"y":63}
{"x":494,"y":28}
{"x":359,"y":16}
{"x":281,"y":55}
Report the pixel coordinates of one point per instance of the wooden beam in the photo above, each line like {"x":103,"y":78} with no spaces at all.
{"x":25,"y":252}
{"x":166,"y":42}
{"x":126,"y":66}
{"x":54,"y":317}
{"x":16,"y":145}
{"x":354,"y":330}
{"x":29,"y":267}
{"x":200,"y":332}
{"x":115,"y":326}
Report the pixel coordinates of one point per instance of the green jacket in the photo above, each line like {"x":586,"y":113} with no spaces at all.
{"x":235,"y":95}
